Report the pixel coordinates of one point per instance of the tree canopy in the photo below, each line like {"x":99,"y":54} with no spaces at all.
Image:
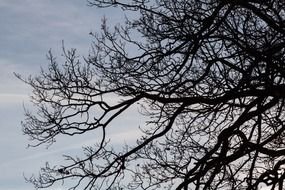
{"x":208,"y":76}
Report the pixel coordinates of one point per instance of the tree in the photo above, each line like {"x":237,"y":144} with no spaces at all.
{"x":209,"y":76}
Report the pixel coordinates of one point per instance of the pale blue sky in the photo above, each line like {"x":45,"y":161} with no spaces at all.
{"x":28,"y":29}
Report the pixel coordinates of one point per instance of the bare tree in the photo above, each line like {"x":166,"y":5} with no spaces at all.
{"x":209,"y":76}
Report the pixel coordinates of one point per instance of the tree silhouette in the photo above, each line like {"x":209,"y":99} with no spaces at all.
{"x":208,"y":76}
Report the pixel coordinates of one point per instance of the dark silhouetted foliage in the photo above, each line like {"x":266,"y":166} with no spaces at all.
{"x":209,"y":79}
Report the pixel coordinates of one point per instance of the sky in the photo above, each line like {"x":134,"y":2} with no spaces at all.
{"x":28,"y":29}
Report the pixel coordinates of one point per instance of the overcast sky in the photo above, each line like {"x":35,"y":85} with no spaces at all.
{"x":28,"y":29}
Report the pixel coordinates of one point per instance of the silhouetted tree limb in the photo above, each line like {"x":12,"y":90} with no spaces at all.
{"x":209,"y":76}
